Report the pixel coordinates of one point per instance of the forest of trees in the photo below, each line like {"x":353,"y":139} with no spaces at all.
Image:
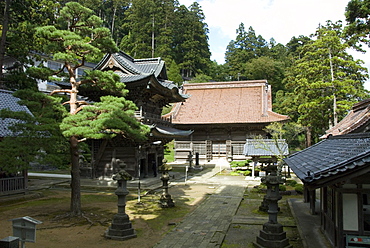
{"x":314,"y":79}
{"x":307,"y":74}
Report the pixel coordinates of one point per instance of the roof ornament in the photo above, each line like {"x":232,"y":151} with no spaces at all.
{"x":111,"y":63}
{"x":309,"y":177}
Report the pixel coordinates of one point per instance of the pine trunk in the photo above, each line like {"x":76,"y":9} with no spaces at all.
{"x":75,"y":165}
{"x":75,"y":180}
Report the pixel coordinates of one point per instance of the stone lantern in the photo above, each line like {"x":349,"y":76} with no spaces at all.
{"x":165,"y":201}
{"x":121,"y":227}
{"x":272,"y":234}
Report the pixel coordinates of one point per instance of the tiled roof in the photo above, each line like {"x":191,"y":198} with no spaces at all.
{"x":8,"y":101}
{"x":265,"y":147}
{"x":331,"y":157}
{"x":227,"y":102}
{"x":169,"y":132}
{"x":131,"y":66}
{"x":355,"y":121}
{"x":150,"y":71}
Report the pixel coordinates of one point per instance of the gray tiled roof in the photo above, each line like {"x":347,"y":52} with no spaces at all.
{"x":125,"y":78}
{"x":148,"y":70}
{"x":8,"y":101}
{"x":265,"y":147}
{"x":331,"y":157}
{"x":149,"y":66}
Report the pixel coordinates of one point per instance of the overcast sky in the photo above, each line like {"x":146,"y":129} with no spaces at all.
{"x":278,"y":19}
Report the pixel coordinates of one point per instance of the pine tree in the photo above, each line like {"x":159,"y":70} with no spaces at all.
{"x":78,"y":39}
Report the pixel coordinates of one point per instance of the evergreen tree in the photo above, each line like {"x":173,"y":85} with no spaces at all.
{"x":244,"y":48}
{"x":37,"y":138}
{"x":163,"y":26}
{"x":193,"y":42}
{"x":80,"y":38}
{"x":139,"y":27}
{"x":358,"y":18}
{"x":18,"y":22}
{"x":326,"y":81}
{"x":174,"y":73}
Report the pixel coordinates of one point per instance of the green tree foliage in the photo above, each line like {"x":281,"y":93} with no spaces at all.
{"x":78,"y":38}
{"x":195,"y":46}
{"x":18,"y":21}
{"x":325,"y":81}
{"x":139,"y":28}
{"x":173,"y":73}
{"x":165,"y":29}
{"x":201,"y":78}
{"x":106,"y":119}
{"x":295,"y":44}
{"x":358,"y":18}
{"x":218,"y":73}
{"x":290,"y":131}
{"x":266,"y":68}
{"x":244,"y":48}
{"x":37,"y":138}
{"x":150,"y":29}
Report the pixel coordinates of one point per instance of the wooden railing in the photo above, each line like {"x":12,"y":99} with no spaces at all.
{"x":12,"y":185}
{"x":149,"y":118}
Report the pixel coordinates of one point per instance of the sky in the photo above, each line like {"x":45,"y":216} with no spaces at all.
{"x":278,"y":19}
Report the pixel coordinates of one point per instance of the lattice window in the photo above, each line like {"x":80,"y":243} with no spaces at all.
{"x":238,"y":149}
{"x":182,"y":145}
{"x":200,"y":148}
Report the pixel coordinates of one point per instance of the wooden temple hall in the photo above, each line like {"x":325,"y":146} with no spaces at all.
{"x":223,"y":116}
{"x":149,"y":89}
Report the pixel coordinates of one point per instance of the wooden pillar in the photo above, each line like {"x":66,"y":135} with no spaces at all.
{"x":312,"y":195}
{"x":306,"y":197}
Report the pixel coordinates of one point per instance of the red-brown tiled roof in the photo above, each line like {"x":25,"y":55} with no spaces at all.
{"x":226,"y":102}
{"x":356,"y":119}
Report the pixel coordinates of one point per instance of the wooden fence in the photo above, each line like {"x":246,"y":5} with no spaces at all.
{"x":13,"y":185}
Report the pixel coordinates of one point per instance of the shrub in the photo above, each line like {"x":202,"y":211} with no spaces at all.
{"x":246,"y":173}
{"x":282,"y":187}
{"x":234,"y":173}
{"x":240,"y":163}
{"x":299,"y":188}
{"x":291,"y":183}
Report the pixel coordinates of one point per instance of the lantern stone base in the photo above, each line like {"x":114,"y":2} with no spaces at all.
{"x":166,"y":201}
{"x":272,"y":236}
{"x":121,"y":228}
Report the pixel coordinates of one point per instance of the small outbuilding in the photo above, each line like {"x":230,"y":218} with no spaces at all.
{"x":339,"y":167}
{"x":265,"y":151}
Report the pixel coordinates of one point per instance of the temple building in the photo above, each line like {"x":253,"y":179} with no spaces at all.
{"x":356,"y":121}
{"x":149,"y":89}
{"x":339,"y":168}
{"x":223,"y":116}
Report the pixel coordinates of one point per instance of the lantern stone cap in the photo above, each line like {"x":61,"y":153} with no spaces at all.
{"x":122,"y":174}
